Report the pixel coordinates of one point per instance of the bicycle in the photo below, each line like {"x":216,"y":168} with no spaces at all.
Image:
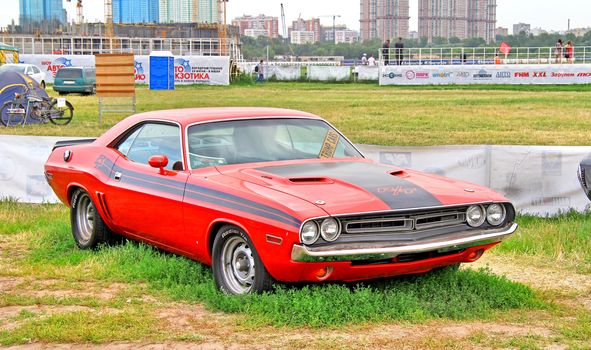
{"x":28,"y":106}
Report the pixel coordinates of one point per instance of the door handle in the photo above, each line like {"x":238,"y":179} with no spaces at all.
{"x":117,"y":176}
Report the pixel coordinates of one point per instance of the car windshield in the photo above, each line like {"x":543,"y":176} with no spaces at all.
{"x":265,"y":140}
{"x":69,"y":73}
{"x":12,"y":68}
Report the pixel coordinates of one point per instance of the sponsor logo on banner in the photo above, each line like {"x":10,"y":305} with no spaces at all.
{"x":584,"y":75}
{"x":562,"y":75}
{"x":393,"y":75}
{"x":503,"y":75}
{"x":185,"y":72}
{"x":52,"y":67}
{"x":410,"y":75}
{"x":540,"y":74}
{"x":550,"y":202}
{"x":7,"y":168}
{"x":463,"y":75}
{"x":474,"y":162}
{"x":552,"y":163}
{"x":442,"y":75}
{"x":401,"y":159}
{"x":483,"y":75}
{"x":521,"y":74}
{"x":140,"y":74}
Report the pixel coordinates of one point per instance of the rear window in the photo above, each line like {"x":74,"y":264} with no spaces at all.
{"x":69,"y":73}
{"x":7,"y":68}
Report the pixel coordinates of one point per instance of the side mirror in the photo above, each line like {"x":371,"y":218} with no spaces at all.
{"x":159,"y":162}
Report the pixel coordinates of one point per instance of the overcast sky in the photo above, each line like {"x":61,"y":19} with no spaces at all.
{"x":539,"y":13}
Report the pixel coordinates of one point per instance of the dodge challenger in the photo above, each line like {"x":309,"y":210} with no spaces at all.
{"x":264,"y":195}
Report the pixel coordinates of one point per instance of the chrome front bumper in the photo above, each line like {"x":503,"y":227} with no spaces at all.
{"x":373,"y":251}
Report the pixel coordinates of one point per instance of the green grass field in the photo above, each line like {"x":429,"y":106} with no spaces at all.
{"x":370,"y":114}
{"x":52,"y":292}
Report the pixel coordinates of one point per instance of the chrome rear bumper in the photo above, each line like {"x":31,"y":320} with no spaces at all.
{"x":373,"y":251}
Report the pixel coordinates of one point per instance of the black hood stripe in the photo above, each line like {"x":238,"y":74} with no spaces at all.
{"x":196,"y":192}
{"x":394,"y":191}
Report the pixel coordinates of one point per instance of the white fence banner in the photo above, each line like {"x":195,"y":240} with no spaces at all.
{"x":523,"y":74}
{"x":209,"y":70}
{"x":326,"y":73}
{"x":539,"y":180}
{"x":283,"y":73}
{"x":368,"y":73}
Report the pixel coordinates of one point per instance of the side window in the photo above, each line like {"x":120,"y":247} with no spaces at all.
{"x":128,"y":141}
{"x":29,"y":71}
{"x":154,"y":139}
{"x":36,"y":70}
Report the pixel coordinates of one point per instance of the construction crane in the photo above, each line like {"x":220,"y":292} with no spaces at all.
{"x":284,"y":25}
{"x":223,"y":27}
{"x":334,"y":26}
{"x":79,"y":12}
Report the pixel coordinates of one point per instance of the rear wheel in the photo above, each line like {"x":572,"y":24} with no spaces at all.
{"x":42,"y":85}
{"x":237,"y":267}
{"x":61,"y":115}
{"x":12,"y":114}
{"x":88,"y":228}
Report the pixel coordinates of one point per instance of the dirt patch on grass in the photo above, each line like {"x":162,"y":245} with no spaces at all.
{"x":12,"y":316}
{"x":545,"y":278}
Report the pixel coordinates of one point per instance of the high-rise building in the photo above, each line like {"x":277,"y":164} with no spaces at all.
{"x":258,"y":23}
{"x":177,"y":11}
{"x":135,"y":11}
{"x":207,"y":11}
{"x":308,"y":25}
{"x":457,"y":18}
{"x":38,"y":11}
{"x":500,"y":31}
{"x":384,"y":19}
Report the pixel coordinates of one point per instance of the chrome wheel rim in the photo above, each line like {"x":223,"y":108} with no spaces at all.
{"x":85,"y":218}
{"x":238,"y":267}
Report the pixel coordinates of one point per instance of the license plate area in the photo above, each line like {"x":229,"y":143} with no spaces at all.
{"x":16,"y":110}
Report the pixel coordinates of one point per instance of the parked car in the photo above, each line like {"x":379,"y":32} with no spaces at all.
{"x":29,"y":70}
{"x":267,"y":194}
{"x":584,"y":173}
{"x":75,"y":79}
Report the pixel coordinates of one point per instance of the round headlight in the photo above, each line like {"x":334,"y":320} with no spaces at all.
{"x":495,"y":214}
{"x":309,"y":233}
{"x":475,"y":215}
{"x":330,"y":229}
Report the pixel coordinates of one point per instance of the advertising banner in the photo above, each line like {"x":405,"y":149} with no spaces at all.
{"x":209,"y":70}
{"x":523,"y":74}
{"x":539,"y":180}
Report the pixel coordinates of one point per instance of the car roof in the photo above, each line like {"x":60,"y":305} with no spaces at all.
{"x":187,"y":116}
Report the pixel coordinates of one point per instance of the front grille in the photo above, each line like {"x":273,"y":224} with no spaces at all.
{"x":403,"y":223}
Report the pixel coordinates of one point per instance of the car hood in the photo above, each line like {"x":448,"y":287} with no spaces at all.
{"x":353,"y":186}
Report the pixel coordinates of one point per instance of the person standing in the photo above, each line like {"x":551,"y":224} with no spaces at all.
{"x":558,"y":51}
{"x":399,"y":46}
{"x":371,"y":61}
{"x":386,"y":52}
{"x":569,"y":52}
{"x":260,"y":71}
{"x":364,"y":60}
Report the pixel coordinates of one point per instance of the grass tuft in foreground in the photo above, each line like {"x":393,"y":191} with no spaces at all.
{"x":465,"y":294}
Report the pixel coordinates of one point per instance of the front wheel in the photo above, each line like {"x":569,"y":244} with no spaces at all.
{"x":12,"y":114}
{"x":61,"y":115}
{"x":237,"y":267}
{"x":88,"y":228}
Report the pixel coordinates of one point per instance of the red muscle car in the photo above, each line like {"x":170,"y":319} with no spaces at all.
{"x":264,"y":194}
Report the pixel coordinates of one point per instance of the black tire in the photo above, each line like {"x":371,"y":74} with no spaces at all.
{"x":88,"y":228}
{"x":42,"y":85}
{"x":237,"y":267}
{"x":60,"y":115}
{"x":11,"y":119}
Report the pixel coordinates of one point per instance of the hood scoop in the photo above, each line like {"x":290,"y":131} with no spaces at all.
{"x":310,"y":180}
{"x":400,"y":173}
